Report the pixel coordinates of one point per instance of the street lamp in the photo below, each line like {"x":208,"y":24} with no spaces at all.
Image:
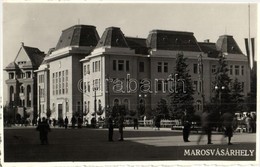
{"x":95,"y":88}
{"x":219,"y":88}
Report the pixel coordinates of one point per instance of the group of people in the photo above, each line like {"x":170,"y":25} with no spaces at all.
{"x":227,"y":120}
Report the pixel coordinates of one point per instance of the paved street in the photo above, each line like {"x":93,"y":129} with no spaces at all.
{"x":23,"y":145}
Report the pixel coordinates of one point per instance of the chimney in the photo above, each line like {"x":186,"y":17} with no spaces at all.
{"x":22,"y":44}
{"x":206,"y":40}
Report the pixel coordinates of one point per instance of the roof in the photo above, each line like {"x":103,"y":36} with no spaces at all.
{"x":113,"y":37}
{"x":172,"y":40}
{"x":12,"y":66}
{"x":47,"y":55}
{"x":36,"y":56}
{"x":209,"y":48}
{"x":78,"y":35}
{"x":226,"y":43}
{"x":138,"y":44}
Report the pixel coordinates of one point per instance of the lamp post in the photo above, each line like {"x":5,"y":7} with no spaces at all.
{"x":95,"y":100}
{"x":219,"y":89}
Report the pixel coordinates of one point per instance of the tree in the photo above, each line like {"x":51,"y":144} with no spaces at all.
{"x":162,"y":109}
{"x":221,"y":87}
{"x":182,"y":99}
{"x":236,"y":96}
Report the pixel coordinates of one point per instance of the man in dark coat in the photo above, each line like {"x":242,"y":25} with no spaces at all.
{"x":136,"y":123}
{"x":186,"y":130}
{"x":206,"y":126}
{"x":110,"y":128}
{"x":66,"y":121}
{"x":227,"y":123}
{"x":121,"y":126}
{"x":44,"y":128}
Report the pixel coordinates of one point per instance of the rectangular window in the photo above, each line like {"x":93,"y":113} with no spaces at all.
{"x":88,"y":86}
{"x":120,"y":65}
{"x":160,"y":86}
{"x":93,"y":66}
{"x":114,"y":65}
{"x":195,"y":85}
{"x":165,"y":67}
{"x":85,"y":87}
{"x":88,"y":69}
{"x":141,"y":66}
{"x":127,"y":65}
{"x":53,"y":83}
{"x":67,"y":81}
{"x":84,"y":69}
{"x":96,"y":66}
{"x":242,"y":70}
{"x":59,"y":82}
{"x":57,"y":88}
{"x":63,"y":83}
{"x":195,"y":68}
{"x":231,"y":69}
{"x":236,"y":70}
{"x":159,"y":67}
{"x":213,"y":69}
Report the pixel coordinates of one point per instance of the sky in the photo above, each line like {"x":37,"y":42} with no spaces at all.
{"x":40,"y":24}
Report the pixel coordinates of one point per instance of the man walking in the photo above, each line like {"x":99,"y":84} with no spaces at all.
{"x":110,"y":128}
{"x":44,"y":128}
{"x":66,"y":121}
{"x":206,"y":126}
{"x":228,"y":126}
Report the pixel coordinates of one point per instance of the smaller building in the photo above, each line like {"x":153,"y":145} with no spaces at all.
{"x":22,"y":81}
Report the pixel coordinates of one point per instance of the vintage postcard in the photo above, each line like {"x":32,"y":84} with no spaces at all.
{"x":135,"y":84}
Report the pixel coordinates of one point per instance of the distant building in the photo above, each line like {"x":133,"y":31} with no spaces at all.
{"x":22,"y":81}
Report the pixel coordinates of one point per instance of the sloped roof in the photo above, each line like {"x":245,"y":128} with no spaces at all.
{"x":138,"y":44}
{"x":36,"y":56}
{"x":112,"y":37}
{"x":226,"y":43}
{"x":12,"y":66}
{"x":47,"y":55}
{"x":172,"y":40}
{"x":78,"y":35}
{"x":209,"y":48}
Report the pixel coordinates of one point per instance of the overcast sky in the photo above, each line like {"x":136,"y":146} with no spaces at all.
{"x":40,"y":25}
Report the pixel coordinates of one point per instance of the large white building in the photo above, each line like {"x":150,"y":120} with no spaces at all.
{"x":85,"y":73}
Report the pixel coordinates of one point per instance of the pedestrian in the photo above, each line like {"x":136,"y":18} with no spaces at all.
{"x":227,"y":122}
{"x":79,"y":122}
{"x":93,"y":122}
{"x":186,"y":130}
{"x":248,"y":122}
{"x":44,"y":128}
{"x":136,"y":123}
{"x":206,"y":127}
{"x":158,"y":122}
{"x":73,"y":121}
{"x":66,"y":121}
{"x":110,"y":128}
{"x":121,"y":127}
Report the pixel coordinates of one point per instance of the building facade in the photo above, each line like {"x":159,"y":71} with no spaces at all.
{"x":85,"y":75}
{"x":134,"y":71}
{"x":22,"y":81}
{"x":64,"y":69}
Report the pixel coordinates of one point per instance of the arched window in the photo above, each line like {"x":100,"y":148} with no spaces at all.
{"x":22,"y":89}
{"x":116,"y":102}
{"x":28,"y":96}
